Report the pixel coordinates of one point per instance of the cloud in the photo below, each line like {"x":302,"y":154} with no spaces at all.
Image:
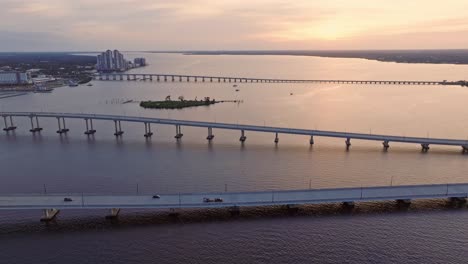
{"x":230,"y":24}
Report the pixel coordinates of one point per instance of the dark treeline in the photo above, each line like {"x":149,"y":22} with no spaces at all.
{"x":401,"y":56}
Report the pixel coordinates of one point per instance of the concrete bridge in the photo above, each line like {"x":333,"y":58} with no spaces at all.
{"x":178,"y":124}
{"x":224,"y":79}
{"x":52,"y":204}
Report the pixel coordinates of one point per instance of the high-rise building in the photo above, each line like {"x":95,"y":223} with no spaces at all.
{"x":140,"y":61}
{"x":110,"y":61}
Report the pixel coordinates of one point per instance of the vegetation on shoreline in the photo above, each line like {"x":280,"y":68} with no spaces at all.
{"x":181,"y":103}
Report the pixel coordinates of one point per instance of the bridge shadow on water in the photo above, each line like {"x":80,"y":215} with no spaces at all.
{"x":85,"y":221}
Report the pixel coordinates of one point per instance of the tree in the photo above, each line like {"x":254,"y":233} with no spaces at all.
{"x":168,"y":98}
{"x":181,"y":98}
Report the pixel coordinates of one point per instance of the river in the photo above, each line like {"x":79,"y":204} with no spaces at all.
{"x":430,"y":231}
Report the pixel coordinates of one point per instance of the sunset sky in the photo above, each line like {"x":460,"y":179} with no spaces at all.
{"x":65,"y":25}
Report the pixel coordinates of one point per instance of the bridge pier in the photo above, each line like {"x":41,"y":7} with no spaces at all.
{"x":243,"y":137}
{"x":157,"y":78}
{"x":425,"y":147}
{"x":180,"y":78}
{"x":188,"y":79}
{"x":403,"y":202}
{"x":348,"y":143}
{"x":128,"y":77}
{"x":178,"y":132}
{"x":37,"y":128}
{"x":311,"y":142}
{"x":151,"y":77}
{"x":118,"y":128}
{"x":114,"y":213}
{"x":89,"y":131}
{"x":121,"y":77}
{"x":211,"y":79}
{"x":11,"y":127}
{"x":276,"y":138}
{"x":464,"y":148}
{"x":60,"y":129}
{"x":196,"y":79}
{"x":148,"y":132}
{"x":234,"y":210}
{"x":210,"y":134}
{"x":172,"y":78}
{"x":348,"y":205}
{"x":165,"y":78}
{"x":49,"y":215}
{"x":386,"y":145}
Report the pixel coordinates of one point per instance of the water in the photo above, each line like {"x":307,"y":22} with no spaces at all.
{"x":376,"y":232}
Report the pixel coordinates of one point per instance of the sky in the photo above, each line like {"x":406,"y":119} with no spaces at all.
{"x":90,"y":25}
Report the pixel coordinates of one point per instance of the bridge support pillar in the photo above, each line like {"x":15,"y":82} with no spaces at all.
{"x":49,"y":215}
{"x":348,"y":205}
{"x":210,"y":134}
{"x":292,"y":208}
{"x":157,"y":78}
{"x":121,"y":77}
{"x":11,"y":127}
{"x":89,"y":131}
{"x":37,"y":128}
{"x":464,"y":148}
{"x":311,"y":142}
{"x":172,"y":78}
{"x":151,"y":77}
{"x":386,"y":145}
{"x":118,"y":128}
{"x":425,"y":147}
{"x":128,"y":77}
{"x":403,"y":202}
{"x":188,"y":79}
{"x":114,"y":213}
{"x":243,"y":137}
{"x":178,"y":132}
{"x":211,"y":79}
{"x":180,"y":78}
{"x":459,"y":200}
{"x":148,"y":132}
{"x":234,"y":210}
{"x":276,"y":138}
{"x":348,"y":143}
{"x":165,"y":78}
{"x":60,"y":129}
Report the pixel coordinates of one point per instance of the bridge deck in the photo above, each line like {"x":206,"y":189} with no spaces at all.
{"x":280,"y":130}
{"x":264,"y":198}
{"x":179,"y":77}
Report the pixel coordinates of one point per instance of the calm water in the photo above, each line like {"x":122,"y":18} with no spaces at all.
{"x":428,"y":232}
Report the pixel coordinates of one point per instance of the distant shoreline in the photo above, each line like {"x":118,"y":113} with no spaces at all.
{"x":454,"y":57}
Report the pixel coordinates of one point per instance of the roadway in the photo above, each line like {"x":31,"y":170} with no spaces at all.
{"x":234,"y":199}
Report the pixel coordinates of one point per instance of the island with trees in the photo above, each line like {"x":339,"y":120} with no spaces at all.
{"x":168,"y":103}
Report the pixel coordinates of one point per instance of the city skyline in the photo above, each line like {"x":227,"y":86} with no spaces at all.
{"x":204,"y":25}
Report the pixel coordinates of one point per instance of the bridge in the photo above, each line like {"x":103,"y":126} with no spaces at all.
{"x":178,"y":124}
{"x":53,"y":203}
{"x":219,"y":79}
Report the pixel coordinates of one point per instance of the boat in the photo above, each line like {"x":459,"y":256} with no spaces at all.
{"x":72,"y":83}
{"x":41,"y":88}
{"x":237,"y":90}
{"x":89,"y":84}
{"x":235,"y":85}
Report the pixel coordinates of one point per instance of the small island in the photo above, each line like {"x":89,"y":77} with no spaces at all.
{"x":181,"y":103}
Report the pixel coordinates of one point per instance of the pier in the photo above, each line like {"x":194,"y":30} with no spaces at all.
{"x":51,"y":204}
{"x":229,"y":79}
{"x":424,"y":143}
